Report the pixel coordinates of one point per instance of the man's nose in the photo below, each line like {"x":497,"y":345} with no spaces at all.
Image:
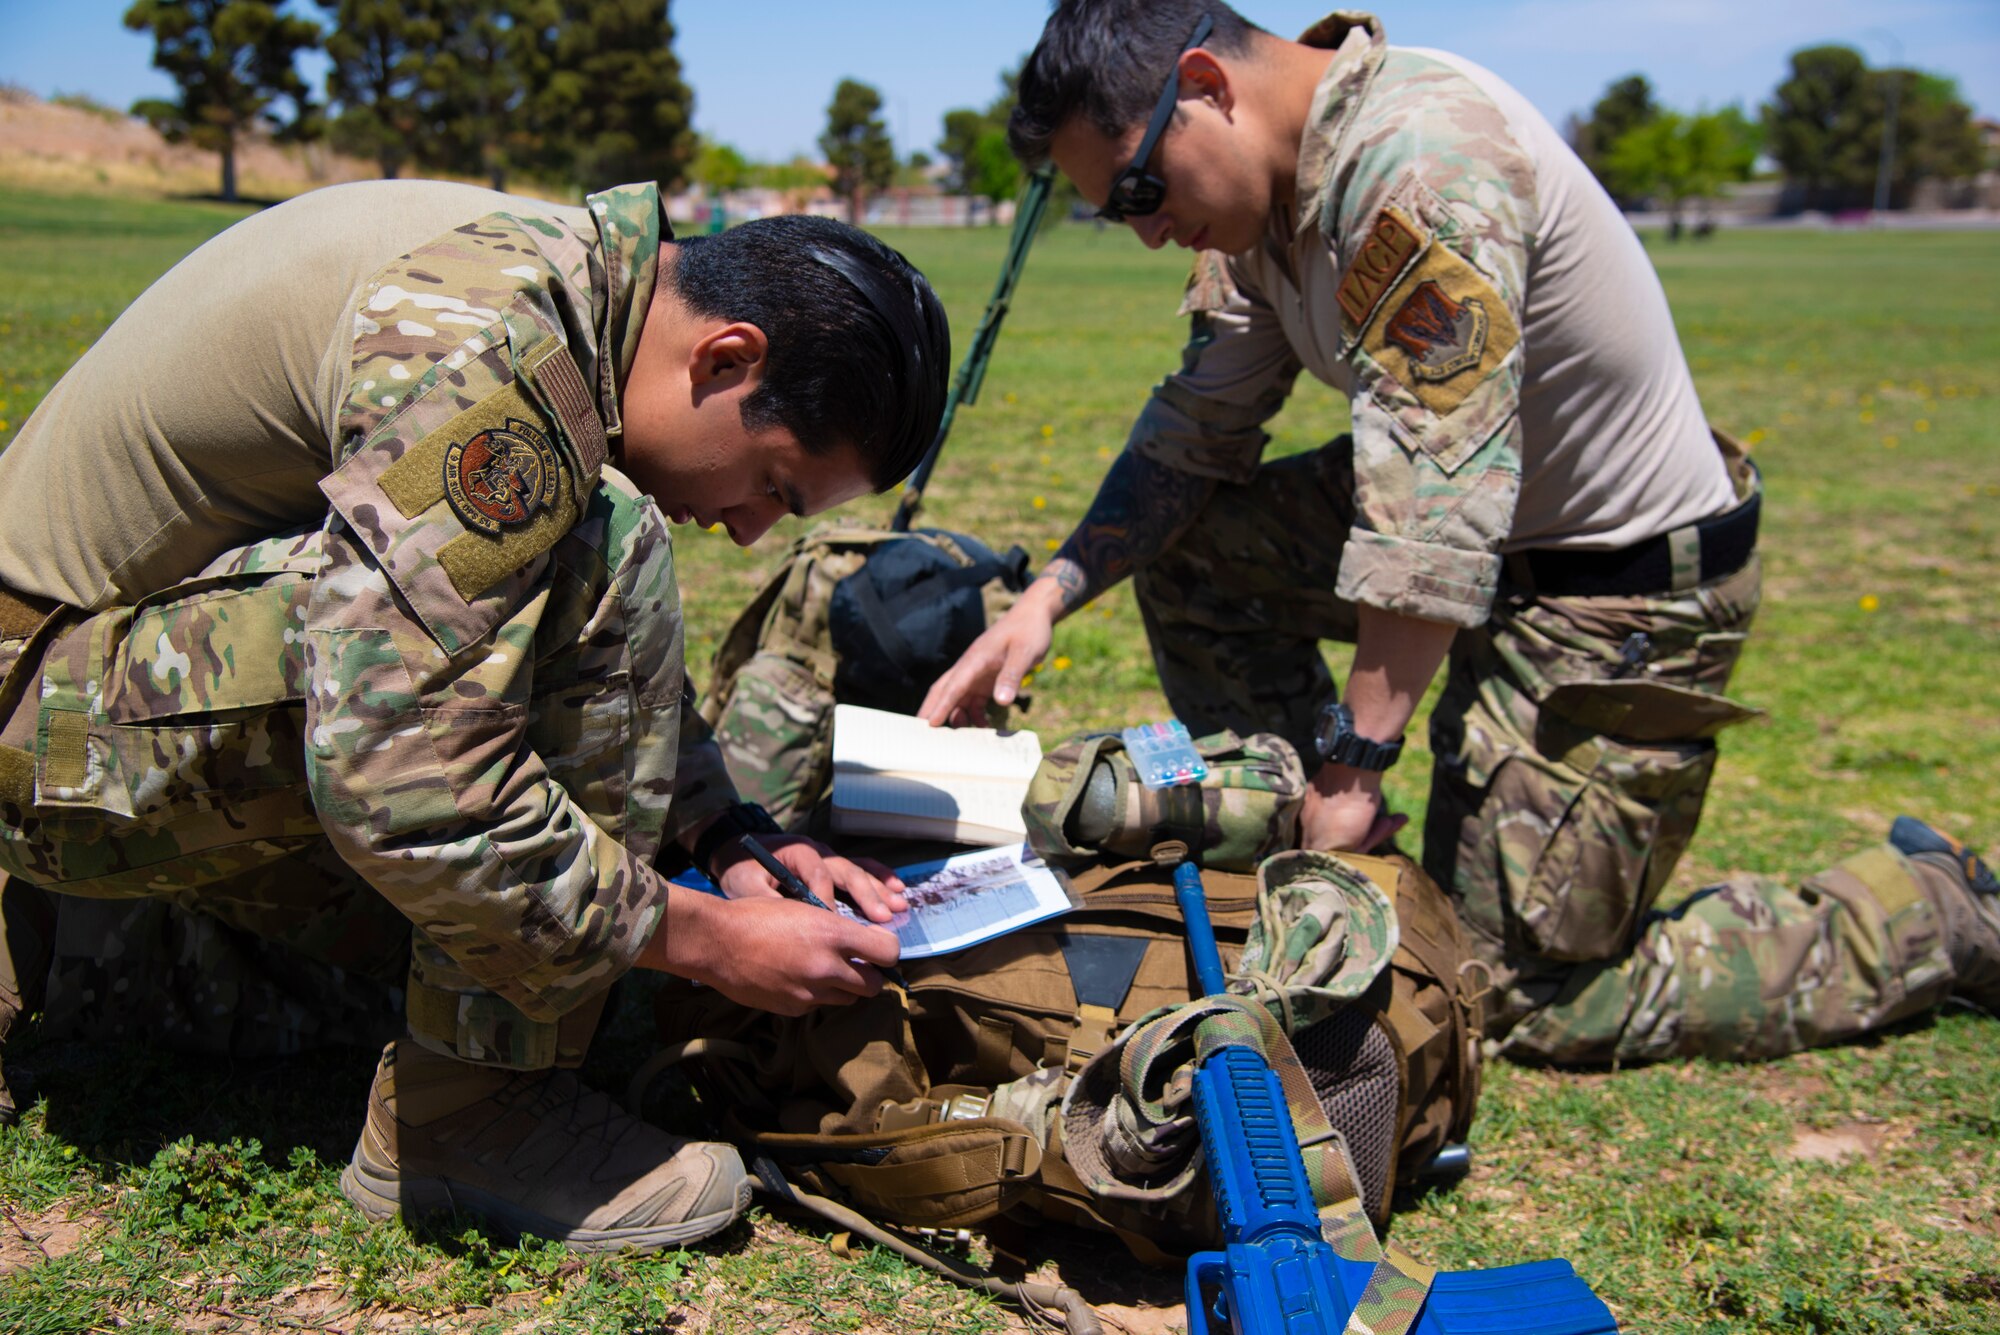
{"x":747,"y":523}
{"x":1153,"y":229}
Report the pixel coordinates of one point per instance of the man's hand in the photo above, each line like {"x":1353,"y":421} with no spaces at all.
{"x":875,"y":890}
{"x":1344,"y":812}
{"x":770,"y":953}
{"x":992,"y":667}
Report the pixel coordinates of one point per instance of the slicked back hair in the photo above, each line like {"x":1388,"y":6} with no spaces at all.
{"x":1106,"y":60}
{"x":859,"y":350}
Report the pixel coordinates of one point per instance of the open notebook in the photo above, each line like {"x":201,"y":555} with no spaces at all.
{"x":897,"y":776}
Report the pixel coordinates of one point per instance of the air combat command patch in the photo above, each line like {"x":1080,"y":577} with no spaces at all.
{"x":1441,"y":336}
{"x":1424,"y":314}
{"x":502,"y":477}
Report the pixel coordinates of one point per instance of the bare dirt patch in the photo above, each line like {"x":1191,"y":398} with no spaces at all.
{"x":29,"y":1240}
{"x":65,"y":148}
{"x":1847,"y":1141}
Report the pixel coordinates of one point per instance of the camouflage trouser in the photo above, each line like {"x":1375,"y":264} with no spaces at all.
{"x":1573,"y":744}
{"x":198,"y":924}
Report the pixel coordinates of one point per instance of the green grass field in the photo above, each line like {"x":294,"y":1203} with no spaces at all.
{"x":1848,"y":1191}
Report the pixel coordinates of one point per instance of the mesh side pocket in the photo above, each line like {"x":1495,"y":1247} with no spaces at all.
{"x":1352,"y":1066}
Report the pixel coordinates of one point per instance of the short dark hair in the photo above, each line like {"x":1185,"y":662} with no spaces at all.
{"x":860,"y":352}
{"x":1106,"y":60}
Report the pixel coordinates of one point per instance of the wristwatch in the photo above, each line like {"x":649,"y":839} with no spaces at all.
{"x":734,"y":822}
{"x":1338,"y":742}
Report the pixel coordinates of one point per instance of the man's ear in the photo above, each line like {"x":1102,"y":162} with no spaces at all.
{"x":727,"y":356}
{"x":1203,"y":76}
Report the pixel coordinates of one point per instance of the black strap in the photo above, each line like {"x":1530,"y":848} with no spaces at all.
{"x":1645,"y":567}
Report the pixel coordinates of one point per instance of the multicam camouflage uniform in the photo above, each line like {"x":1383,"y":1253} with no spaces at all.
{"x":456,"y":707}
{"x":1574,"y":739}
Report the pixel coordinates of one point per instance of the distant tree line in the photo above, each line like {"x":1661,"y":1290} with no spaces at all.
{"x":1825,"y":127}
{"x":587,"y":92}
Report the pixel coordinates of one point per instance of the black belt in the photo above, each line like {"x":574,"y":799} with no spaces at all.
{"x":1725,"y":544}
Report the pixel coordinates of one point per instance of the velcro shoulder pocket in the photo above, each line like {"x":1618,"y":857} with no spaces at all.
{"x":460,"y":494}
{"x":1433,"y":338}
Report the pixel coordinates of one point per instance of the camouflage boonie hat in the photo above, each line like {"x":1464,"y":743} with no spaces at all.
{"x":1246,"y":809}
{"x":1323,"y":934}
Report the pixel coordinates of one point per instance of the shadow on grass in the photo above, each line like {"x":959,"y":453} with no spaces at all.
{"x":215,"y":197}
{"x":119,"y":1103}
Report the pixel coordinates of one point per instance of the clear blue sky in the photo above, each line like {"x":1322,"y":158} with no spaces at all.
{"x":763,"y":71}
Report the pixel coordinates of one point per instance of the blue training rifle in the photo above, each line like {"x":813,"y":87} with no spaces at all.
{"x":1276,"y":1274}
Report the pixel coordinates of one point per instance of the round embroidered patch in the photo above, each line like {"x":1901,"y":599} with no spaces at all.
{"x":501,"y":478}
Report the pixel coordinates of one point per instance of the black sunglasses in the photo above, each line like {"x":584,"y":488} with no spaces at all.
{"x":1136,"y":192}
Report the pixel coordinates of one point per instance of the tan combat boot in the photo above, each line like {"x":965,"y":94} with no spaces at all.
{"x":533,"y":1152}
{"x":27,"y":934}
{"x":1968,"y":896}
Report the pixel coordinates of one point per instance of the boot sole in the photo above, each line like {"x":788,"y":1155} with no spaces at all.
{"x":381,"y":1199}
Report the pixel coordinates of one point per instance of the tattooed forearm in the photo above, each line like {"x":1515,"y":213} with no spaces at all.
{"x":1140,"y":509}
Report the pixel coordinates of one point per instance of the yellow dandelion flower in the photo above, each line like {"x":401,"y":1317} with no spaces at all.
{"x":1791,"y":368}
{"x":1048,"y":431}
{"x":1052,"y":544}
{"x":3,"y":424}
{"x":995,"y":469}
{"x":1755,"y":437}
{"x":1104,"y":451}
{"x":1951,"y":391}
{"x":1027,"y":681}
{"x":1010,"y":397}
{"x":1867,"y":417}
{"x":1040,"y":502}
{"x":1890,"y":442}
{"x":1047,"y":459}
{"x":1869,"y":602}
{"x":1062,"y":662}
{"x":1055,"y":479}
{"x":1921,"y":425}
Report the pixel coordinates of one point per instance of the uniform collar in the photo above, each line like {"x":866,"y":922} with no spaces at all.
{"x":630,"y":230}
{"x":1358,"y":45}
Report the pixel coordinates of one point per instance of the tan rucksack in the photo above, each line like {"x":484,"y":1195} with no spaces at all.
{"x":863,"y":615}
{"x":930,"y":1109}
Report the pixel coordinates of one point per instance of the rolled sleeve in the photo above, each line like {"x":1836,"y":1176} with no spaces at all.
{"x":1418,"y":579}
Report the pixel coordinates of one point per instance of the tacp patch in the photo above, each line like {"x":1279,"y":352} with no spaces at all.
{"x":1446,"y":331}
{"x":1393,"y":244}
{"x":502,"y":477}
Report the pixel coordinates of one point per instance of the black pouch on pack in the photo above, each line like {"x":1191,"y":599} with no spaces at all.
{"x":907,"y":614}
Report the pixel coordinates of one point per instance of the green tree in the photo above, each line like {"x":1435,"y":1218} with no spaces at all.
{"x":482,"y":81}
{"x":607,"y":102}
{"x":1827,"y":122}
{"x":719,"y":167}
{"x":1818,"y":128}
{"x":1935,"y":135}
{"x":856,"y":144}
{"x":1678,"y":159}
{"x":995,"y":173}
{"x":232,"y":60}
{"x":1627,"y":104}
{"x":962,"y":128}
{"x":380,"y":50}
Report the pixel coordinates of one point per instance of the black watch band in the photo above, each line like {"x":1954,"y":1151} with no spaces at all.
{"x":734,"y":822}
{"x":1340,"y":743}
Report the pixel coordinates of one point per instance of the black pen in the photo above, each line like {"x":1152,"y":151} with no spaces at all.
{"x":791,"y":887}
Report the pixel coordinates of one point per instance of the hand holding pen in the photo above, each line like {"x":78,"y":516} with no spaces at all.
{"x":791,"y":887}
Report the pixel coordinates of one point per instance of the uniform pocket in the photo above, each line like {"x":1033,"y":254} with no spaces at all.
{"x":776,"y":735}
{"x":1587,"y":840}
